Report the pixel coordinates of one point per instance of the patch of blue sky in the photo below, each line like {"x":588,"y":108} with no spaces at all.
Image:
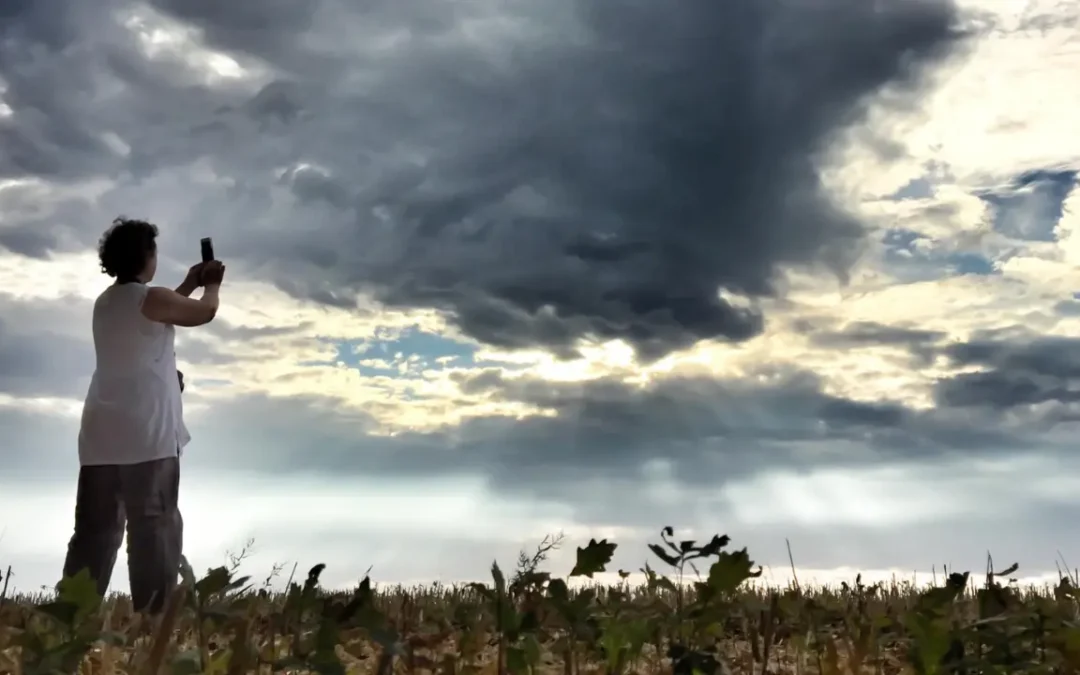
{"x":402,"y":354}
{"x":900,"y":242}
{"x":923,"y":186}
{"x":911,"y":257}
{"x":969,"y":263}
{"x":916,"y":188}
{"x":407,"y":353}
{"x":1070,"y":307}
{"x":1030,"y":206}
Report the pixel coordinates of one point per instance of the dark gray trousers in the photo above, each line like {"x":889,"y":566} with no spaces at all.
{"x":146,"y":497}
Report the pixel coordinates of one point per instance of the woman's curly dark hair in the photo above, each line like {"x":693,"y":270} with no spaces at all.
{"x":126,"y":246}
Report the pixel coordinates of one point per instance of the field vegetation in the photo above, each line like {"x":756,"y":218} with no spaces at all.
{"x":700,"y":611}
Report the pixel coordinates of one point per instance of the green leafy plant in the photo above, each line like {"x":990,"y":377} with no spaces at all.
{"x":56,"y":637}
{"x":708,"y":614}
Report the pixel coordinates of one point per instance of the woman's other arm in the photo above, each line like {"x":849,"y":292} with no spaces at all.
{"x":165,"y":305}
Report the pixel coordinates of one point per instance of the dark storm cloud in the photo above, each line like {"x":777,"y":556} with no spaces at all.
{"x":42,"y":364}
{"x":37,"y":444}
{"x":593,"y":449}
{"x":39,"y":353}
{"x":34,"y":220}
{"x":1052,"y":356}
{"x":222,"y":328}
{"x":685,"y":408}
{"x":198,"y":351}
{"x":921,"y":344}
{"x":710,"y":432}
{"x":871,"y":333}
{"x":619,"y":184}
{"x":560,"y":170}
{"x":750,"y":425}
{"x":1015,"y":370}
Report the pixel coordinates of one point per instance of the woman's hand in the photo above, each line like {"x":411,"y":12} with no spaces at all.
{"x":192,"y":281}
{"x":213,"y":273}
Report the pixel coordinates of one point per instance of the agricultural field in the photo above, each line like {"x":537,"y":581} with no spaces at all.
{"x":700,"y":610}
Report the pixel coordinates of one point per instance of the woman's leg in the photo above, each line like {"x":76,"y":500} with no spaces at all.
{"x":99,"y":525}
{"x":155,"y":531}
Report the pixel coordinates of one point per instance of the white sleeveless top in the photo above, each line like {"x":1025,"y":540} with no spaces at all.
{"x":133,"y":411}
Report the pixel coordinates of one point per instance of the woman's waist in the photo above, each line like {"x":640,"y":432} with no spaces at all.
{"x":147,"y":384}
{"x":149,"y":372}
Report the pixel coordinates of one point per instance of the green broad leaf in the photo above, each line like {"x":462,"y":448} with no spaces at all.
{"x":517,"y":661}
{"x":558,"y":591}
{"x":730,"y":570}
{"x":714,"y":546}
{"x":62,"y":612}
{"x":499,"y":579}
{"x":215,"y":581}
{"x":593,"y":558}
{"x":531,"y":646}
{"x":664,"y":555}
{"x":186,"y":663}
{"x":81,"y":591}
{"x":312,"y":581}
{"x":482,"y":590}
{"x":360,"y":599}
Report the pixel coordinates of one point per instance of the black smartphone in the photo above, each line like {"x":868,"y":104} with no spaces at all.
{"x":207,"y":249}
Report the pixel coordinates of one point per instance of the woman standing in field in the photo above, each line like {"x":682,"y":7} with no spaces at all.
{"x":132,"y":429}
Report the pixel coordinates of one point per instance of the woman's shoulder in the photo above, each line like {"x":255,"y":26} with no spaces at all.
{"x":129,"y":288}
{"x":119,"y":299}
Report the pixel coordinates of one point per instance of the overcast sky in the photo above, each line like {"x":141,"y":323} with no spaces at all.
{"x":784,"y":269}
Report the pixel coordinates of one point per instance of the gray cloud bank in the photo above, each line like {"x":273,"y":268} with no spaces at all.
{"x":595,"y":458}
{"x":45,"y":348}
{"x":710,"y":432}
{"x":553,"y":171}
